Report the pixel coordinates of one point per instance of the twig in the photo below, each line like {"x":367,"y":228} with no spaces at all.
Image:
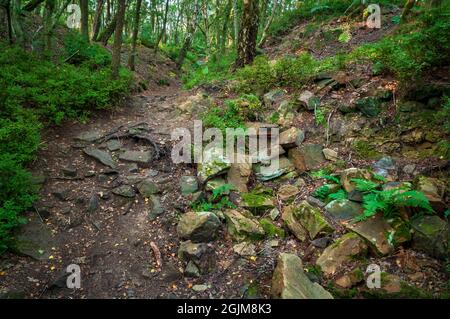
{"x":157,"y":254}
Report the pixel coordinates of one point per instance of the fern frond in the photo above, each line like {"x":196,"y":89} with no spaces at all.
{"x":363,"y":185}
{"x":340,"y":194}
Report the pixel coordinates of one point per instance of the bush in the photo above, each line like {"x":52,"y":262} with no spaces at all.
{"x":79,"y":51}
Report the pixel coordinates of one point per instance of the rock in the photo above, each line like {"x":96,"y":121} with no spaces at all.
{"x":188,"y":185}
{"x":258,"y":200}
{"x":349,"y":280}
{"x":315,"y":202}
{"x":276,"y":169}
{"x":292,"y":137}
{"x":369,"y":106}
{"x":214,"y":163}
{"x":136,"y":157}
{"x":311,"y":220}
{"x":242,"y":225}
{"x":287,"y":191}
{"x":431,"y":235}
{"x":307,"y":100}
{"x":148,"y":187}
{"x":61,"y":194}
{"x":300,"y":182}
{"x":271,"y":230}
{"x":198,"y":226}
{"x":409,"y":169}
{"x":156,"y":207}
{"x":89,"y":174}
{"x":322,"y":242}
{"x":215,"y":183}
{"x":306,"y":157}
{"x":343,"y":209}
{"x":201,"y":254}
{"x":344,"y":250}
{"x":386,"y":163}
{"x":356,"y":196}
{"x":376,"y":231}
{"x":293,"y":224}
{"x":69,"y":171}
{"x":199,"y":288}
{"x":192,"y":270}
{"x":434,"y":190}
{"x":239,"y":175}
{"x":113,"y":145}
{"x":274,"y":213}
{"x":330,"y":154}
{"x":392,"y":287}
{"x":90,"y":136}
{"x":93,"y":204}
{"x":271,"y":97}
{"x":351,"y":173}
{"x":124,"y":191}
{"x":101,"y":156}
{"x":266,"y":154}
{"x":42,"y":209}
{"x":244,"y":249}
{"x":35,"y":239}
{"x":289,"y":281}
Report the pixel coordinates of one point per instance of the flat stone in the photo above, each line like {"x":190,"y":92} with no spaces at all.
{"x":101,"y":156}
{"x":188,"y":185}
{"x":244,"y":249}
{"x":376,"y":231}
{"x":201,"y":254}
{"x":431,"y":236}
{"x":330,"y":154}
{"x":344,"y":250}
{"x":113,"y":145}
{"x":90,"y":136}
{"x":69,"y":171}
{"x":311,"y":220}
{"x":214,"y":163}
{"x":274,"y":170}
{"x":198,"y":226}
{"x":351,"y":173}
{"x":192,"y":270}
{"x":124,"y":191}
{"x":290,"y":281}
{"x":136,"y":157}
{"x":242,"y":225}
{"x":156,"y":207}
{"x":306,"y":157}
{"x":35,"y":239}
{"x":239,"y":175}
{"x":148,"y":187}
{"x":306,"y":99}
{"x":293,"y":224}
{"x":287,"y":191}
{"x":292,"y":137}
{"x":343,"y":209}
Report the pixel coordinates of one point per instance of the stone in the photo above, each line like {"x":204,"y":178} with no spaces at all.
{"x":188,"y":185}
{"x":93,"y":204}
{"x":61,"y":194}
{"x":201,"y":254}
{"x":409,"y":169}
{"x":369,"y":106}
{"x":356,"y":196}
{"x":101,"y":156}
{"x":245,"y":249}
{"x":306,"y":99}
{"x":306,"y":157}
{"x":267,"y":153}
{"x":90,"y":136}
{"x":274,"y":170}
{"x":386,"y":162}
{"x":69,"y":171}
{"x":239,"y":175}
{"x":258,"y":200}
{"x":148,"y":187}
{"x":192,"y":270}
{"x":434,"y":190}
{"x":242,"y":225}
{"x":44,"y":210}
{"x":330,"y":154}
{"x":431,"y":235}
{"x":271,"y":97}
{"x":199,"y":288}
{"x":291,"y":137}
{"x":274,"y":213}
{"x":271,"y":230}
{"x":214,"y":163}
{"x":89,"y":174}
{"x":311,"y":220}
{"x":393,"y":287}
{"x":124,"y":191}
{"x":315,"y":202}
{"x":133,"y":168}
{"x":343,"y":209}
{"x":321,"y":242}
{"x":293,"y":224}
{"x":136,"y":157}
{"x":351,"y":173}
{"x":290,"y":281}
{"x":35,"y":239}
{"x":344,"y":250}
{"x":113,"y":145}
{"x":351,"y":279}
{"x":156,"y":208}
{"x":215,"y":183}
{"x":198,"y":226}
{"x":376,"y":231}
{"x":287,"y":191}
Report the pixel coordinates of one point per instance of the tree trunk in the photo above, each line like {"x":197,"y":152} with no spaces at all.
{"x":137,"y":16}
{"x":163,"y":30}
{"x":246,"y":50}
{"x":6,"y":17}
{"x":115,"y":63}
{"x":33,"y":4}
{"x":269,"y":22}
{"x":84,"y":6}
{"x":109,"y":30}
{"x":192,"y":26}
{"x":108,"y":11}
{"x":224,"y":35}
{"x":48,"y":24}
{"x":97,"y":19}
{"x":235,"y":22}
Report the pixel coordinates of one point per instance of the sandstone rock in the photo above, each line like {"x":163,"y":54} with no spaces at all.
{"x":90,"y":136}
{"x":306,"y":157}
{"x":343,"y":209}
{"x":188,"y":185}
{"x":292,"y":137}
{"x":351,"y":173}
{"x":306,"y":99}
{"x":148,"y":187}
{"x":201,"y":255}
{"x":214,"y":163}
{"x":341,"y":252}
{"x":156,"y":207}
{"x":239,"y":175}
{"x":330,"y":154}
{"x":244,"y":249}
{"x":198,"y":226}
{"x":351,"y":279}
{"x":274,"y":170}
{"x":431,"y":236}
{"x":124,"y":191}
{"x":289,"y":281}
{"x":113,"y":145}
{"x":242,"y":225}
{"x":136,"y":157}
{"x":271,"y":97}
{"x":287,"y":191}
{"x":293,"y":224}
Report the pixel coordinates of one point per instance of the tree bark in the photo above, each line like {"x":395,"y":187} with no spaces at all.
{"x":132,"y":55}
{"x":224,"y":35}
{"x":97,"y":19}
{"x":109,"y":30}
{"x":48,"y":24}
{"x":84,"y":6}
{"x":268,"y":23}
{"x":163,"y":30}
{"x":246,"y":50}
{"x":235,"y":22}
{"x":115,"y":63}
{"x":33,"y":4}
{"x":192,"y":26}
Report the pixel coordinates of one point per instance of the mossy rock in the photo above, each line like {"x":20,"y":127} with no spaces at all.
{"x":242,"y":225}
{"x":271,"y":230}
{"x":392,"y":287}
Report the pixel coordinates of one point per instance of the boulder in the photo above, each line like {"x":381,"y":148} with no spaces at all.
{"x":434,"y":190}
{"x":292,"y":137}
{"x":344,"y":250}
{"x":431,"y":235}
{"x":136,"y":157}
{"x":311,"y":219}
{"x":351,"y":173}
{"x":307,"y":99}
{"x":290,"y":281}
{"x":188,"y":185}
{"x":287,"y":191}
{"x":242,"y":225}
{"x":293,"y":224}
{"x":343,"y":209}
{"x":148,"y":187}
{"x":239,"y":175}
{"x":198,"y":226}
{"x":101,"y":156}
{"x":306,"y":157}
{"x":214,"y":163}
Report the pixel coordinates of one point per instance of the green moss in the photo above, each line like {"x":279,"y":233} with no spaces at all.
{"x":365,"y":150}
{"x":271,"y":229}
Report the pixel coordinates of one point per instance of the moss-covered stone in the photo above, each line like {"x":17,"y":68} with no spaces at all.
{"x":242,"y":225}
{"x":271,"y":230}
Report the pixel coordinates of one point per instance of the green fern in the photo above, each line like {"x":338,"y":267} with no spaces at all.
{"x":322,"y":192}
{"x":363,"y":185}
{"x":340,"y":194}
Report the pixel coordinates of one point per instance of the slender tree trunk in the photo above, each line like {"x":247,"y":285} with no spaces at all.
{"x":97,"y":19}
{"x":108,"y":11}
{"x":6,"y":6}
{"x":84,"y":6}
{"x":137,"y":16}
{"x":191,"y":28}
{"x":115,"y":63}
{"x":163,"y":30}
{"x":235,"y":22}
{"x":246,"y":50}
{"x":206,"y":25}
{"x":48,"y":23}
{"x":109,"y":30}
{"x":33,"y":4}
{"x":268,"y":23}
{"x":17,"y":22}
{"x":224,"y":35}
{"x":59,"y":14}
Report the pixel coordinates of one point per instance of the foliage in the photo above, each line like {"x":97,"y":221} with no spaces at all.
{"x":325,"y":174}
{"x":80,"y":52}
{"x":218,"y":201}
